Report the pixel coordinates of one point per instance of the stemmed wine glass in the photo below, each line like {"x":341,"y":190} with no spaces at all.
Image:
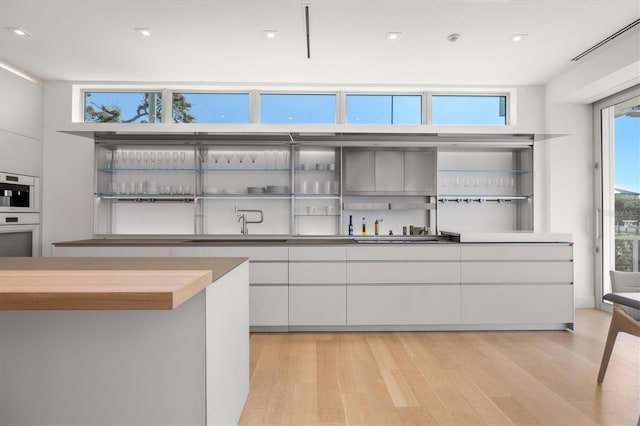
{"x":241,"y":156}
{"x":253,"y":156}
{"x":216,"y":157}
{"x":228,"y":157}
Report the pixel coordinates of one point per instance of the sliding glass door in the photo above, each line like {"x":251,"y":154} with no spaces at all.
{"x":617,"y":210}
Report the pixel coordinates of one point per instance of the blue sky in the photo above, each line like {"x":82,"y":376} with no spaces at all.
{"x":627,"y":153}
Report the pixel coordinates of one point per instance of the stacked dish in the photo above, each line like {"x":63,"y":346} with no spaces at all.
{"x":255,"y":190}
{"x":276,"y":189}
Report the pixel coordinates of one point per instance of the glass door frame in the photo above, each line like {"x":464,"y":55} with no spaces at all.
{"x":603,"y":137}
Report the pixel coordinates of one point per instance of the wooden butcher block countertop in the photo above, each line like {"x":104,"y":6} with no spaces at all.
{"x":50,"y":283}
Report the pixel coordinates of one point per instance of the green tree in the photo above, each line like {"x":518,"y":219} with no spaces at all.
{"x":149,"y":103}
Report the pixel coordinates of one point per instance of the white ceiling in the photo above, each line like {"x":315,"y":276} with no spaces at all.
{"x":222,"y":41}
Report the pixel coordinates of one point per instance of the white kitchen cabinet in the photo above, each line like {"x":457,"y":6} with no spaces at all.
{"x":317,"y":305}
{"x":268,"y":306}
{"x":501,"y":304}
{"x":517,"y":284}
{"x":389,"y":272}
{"x":403,"y":304}
{"x":403,"y":285}
{"x":268,"y":280}
{"x":317,"y":286}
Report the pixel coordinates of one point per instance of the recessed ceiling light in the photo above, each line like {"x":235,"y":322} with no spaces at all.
{"x":18,"y":31}
{"x":393,"y":36}
{"x":145,"y":32}
{"x":517,"y":37}
{"x":270,"y":33}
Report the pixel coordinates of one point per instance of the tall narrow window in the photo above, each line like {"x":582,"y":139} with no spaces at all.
{"x":297,"y":108}
{"x":210,"y":108}
{"x":469,"y":109}
{"x":384,"y":109}
{"x":618,"y":195}
{"x":122,"y":107}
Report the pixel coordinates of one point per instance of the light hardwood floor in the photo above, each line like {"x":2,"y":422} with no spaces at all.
{"x":446,"y":378}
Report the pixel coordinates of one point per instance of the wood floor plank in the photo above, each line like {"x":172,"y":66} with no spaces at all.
{"x":444,"y":378}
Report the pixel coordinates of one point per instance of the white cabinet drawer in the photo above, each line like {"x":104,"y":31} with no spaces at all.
{"x":517,"y":252}
{"x":403,"y":304}
{"x":405,"y":252}
{"x":112,"y":251}
{"x":317,"y":273}
{"x":317,"y":305}
{"x":253,"y":253}
{"x":516,"y":272}
{"x":403,"y":272}
{"x":268,"y":273}
{"x":268,"y":305}
{"x":318,"y":253}
{"x":517,"y":304}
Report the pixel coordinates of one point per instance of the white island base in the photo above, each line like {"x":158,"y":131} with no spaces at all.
{"x":187,"y":366}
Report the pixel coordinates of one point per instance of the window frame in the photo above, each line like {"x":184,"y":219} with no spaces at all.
{"x":258,"y":105}
{"x":509,"y":95}
{"x":386,"y":93}
{"x":80,"y":91}
{"x":171,"y":92}
{"x":83,"y":99}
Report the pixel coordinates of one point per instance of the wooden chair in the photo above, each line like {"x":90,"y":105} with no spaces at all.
{"x":626,"y":312}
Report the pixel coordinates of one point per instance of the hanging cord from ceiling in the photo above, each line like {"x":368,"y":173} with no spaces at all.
{"x":306,"y":9}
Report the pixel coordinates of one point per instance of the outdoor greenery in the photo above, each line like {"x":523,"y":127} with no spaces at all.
{"x":626,"y":209}
{"x":149,"y":103}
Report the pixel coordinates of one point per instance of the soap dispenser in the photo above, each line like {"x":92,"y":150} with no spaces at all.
{"x":364,"y":227}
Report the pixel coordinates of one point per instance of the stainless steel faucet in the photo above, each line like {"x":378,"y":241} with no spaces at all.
{"x":243,"y":217}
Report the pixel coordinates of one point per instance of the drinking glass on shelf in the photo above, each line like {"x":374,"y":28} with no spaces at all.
{"x":109,"y":156}
{"x":132,"y":159}
{"x":489,"y":182}
{"x":268,"y":159}
{"x":167,"y":159}
{"x":152,"y":155}
{"x":183,"y":157}
{"x":139,"y":159}
{"x":443,"y":182}
{"x":476,"y":182}
{"x":175,"y":157}
{"x":500,"y":182}
{"x":145,"y":158}
{"x":510,"y":182}
{"x":117,"y":155}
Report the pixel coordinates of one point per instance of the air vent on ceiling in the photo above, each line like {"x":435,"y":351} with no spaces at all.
{"x":607,"y":40}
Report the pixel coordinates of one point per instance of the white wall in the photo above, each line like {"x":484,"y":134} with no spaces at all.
{"x":67,"y":171}
{"x":569,"y":162}
{"x":20,"y":125}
